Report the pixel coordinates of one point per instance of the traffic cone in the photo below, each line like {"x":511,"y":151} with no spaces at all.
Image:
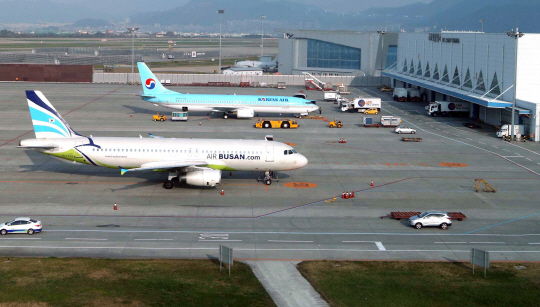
{"x":115,"y":207}
{"x":230,"y":173}
{"x":353,"y":194}
{"x":208,"y":118}
{"x":222,"y":192}
{"x":343,"y":194}
{"x":130,"y":115}
{"x":200,"y":123}
{"x":372,"y":183}
{"x":344,"y":140}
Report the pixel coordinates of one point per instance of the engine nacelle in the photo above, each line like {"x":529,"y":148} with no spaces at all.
{"x":202,"y":178}
{"x":245,"y":113}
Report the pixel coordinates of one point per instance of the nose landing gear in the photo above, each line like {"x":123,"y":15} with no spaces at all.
{"x":267,"y":177}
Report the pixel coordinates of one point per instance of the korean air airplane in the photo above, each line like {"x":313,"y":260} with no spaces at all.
{"x":243,"y":106}
{"x":197,"y":162}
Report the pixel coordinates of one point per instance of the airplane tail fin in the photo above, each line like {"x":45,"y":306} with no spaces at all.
{"x":150,"y":83}
{"x":48,"y":123}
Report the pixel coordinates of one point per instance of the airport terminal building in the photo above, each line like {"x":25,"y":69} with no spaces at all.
{"x":336,"y":53}
{"x":475,"y":67}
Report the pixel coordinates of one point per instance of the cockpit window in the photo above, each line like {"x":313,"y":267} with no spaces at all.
{"x":285,"y":152}
{"x":290,"y":152}
{"x":294,"y":151}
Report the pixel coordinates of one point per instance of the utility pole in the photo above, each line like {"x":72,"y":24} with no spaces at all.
{"x":382,"y":33}
{"x":262,"y":35}
{"x":132,"y":30}
{"x":220,"y":12}
{"x":482,"y":21}
{"x":516,"y":35}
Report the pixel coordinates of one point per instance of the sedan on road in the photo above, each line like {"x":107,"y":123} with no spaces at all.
{"x":21,"y":225}
{"x":400,"y":130}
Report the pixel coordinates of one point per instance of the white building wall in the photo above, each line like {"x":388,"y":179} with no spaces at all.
{"x":528,"y":79}
{"x":285,"y":56}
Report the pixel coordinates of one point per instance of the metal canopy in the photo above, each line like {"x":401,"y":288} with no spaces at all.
{"x":519,"y":110}
{"x":451,"y":91}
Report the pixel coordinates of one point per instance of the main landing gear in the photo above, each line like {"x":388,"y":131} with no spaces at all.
{"x":173,"y":178}
{"x":225,"y":115}
{"x":268,"y":177}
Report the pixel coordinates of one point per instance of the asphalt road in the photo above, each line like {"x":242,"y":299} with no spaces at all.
{"x":75,"y":202}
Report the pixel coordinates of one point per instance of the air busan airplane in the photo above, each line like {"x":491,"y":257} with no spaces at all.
{"x":197,"y":162}
{"x":244,"y":106}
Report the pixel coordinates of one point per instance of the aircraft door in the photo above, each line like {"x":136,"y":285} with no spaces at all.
{"x":269,"y":153}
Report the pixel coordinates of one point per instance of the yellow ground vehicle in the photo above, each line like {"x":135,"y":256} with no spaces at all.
{"x":335,"y":124}
{"x":159,"y":117}
{"x":386,"y":88}
{"x":285,"y":124}
{"x":371,"y":111}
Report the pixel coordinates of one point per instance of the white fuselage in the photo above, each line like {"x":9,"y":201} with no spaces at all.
{"x":123,"y":152}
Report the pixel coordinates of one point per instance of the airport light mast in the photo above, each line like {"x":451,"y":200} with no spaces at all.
{"x":262,"y":34}
{"x":382,"y":33}
{"x":220,"y":12}
{"x":516,"y":35}
{"x":132,"y":30}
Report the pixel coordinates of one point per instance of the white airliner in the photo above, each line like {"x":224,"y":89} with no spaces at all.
{"x":196,"y":162}
{"x":244,"y":106}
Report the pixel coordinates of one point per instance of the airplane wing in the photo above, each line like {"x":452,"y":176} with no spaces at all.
{"x":45,"y":146}
{"x":165,"y":165}
{"x":226,"y":108}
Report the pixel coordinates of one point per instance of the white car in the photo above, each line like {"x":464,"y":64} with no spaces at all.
{"x":401,"y":130}
{"x":21,"y":225}
{"x":431,"y":218}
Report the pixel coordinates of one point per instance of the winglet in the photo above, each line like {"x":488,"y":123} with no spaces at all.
{"x":123,"y":171}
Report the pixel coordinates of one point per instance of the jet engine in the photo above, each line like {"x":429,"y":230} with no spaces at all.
{"x":245,"y":113}
{"x":202,"y":178}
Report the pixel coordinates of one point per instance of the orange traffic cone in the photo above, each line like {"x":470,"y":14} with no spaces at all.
{"x":130,"y":115}
{"x":208,"y":118}
{"x":222,"y":192}
{"x":372,"y":183}
{"x":344,"y":140}
{"x":353,"y":194}
{"x":343,"y":194}
{"x":115,"y":207}
{"x":200,"y":123}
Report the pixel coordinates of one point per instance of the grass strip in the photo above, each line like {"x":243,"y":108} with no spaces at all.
{"x":423,"y":283}
{"x":111,"y":282}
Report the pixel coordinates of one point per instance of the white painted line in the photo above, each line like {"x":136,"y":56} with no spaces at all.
{"x":469,"y":139}
{"x":487,"y":243}
{"x":450,"y":242}
{"x":358,"y":241}
{"x":286,"y":241}
{"x":220,"y":240}
{"x":528,"y":159}
{"x":512,"y":156}
{"x":153,"y":239}
{"x":380,"y":246}
{"x":86,"y":239}
{"x":482,"y":143}
{"x":506,"y":150}
{"x":20,"y":239}
{"x":534,"y":243}
{"x":494,"y":146}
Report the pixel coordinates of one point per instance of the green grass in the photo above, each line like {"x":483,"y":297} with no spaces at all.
{"x":423,"y":284}
{"x":104,"y":282}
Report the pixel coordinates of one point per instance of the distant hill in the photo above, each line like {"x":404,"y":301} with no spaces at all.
{"x":499,"y":15}
{"x":92,"y":23}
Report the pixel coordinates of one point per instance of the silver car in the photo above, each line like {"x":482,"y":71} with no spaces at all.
{"x":400,"y":129}
{"x":431,"y":218}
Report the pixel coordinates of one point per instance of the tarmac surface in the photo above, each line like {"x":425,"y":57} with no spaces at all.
{"x":75,"y":202}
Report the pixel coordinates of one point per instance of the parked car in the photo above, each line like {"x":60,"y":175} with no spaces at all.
{"x":431,"y":219}
{"x":21,"y":225}
{"x":400,"y":130}
{"x":371,"y":111}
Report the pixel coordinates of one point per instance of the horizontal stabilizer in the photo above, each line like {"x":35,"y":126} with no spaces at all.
{"x":45,"y":146}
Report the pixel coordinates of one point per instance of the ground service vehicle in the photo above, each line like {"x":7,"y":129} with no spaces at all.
{"x":449,"y":108}
{"x":506,"y":130}
{"x":390,"y":121}
{"x":21,"y":225}
{"x":400,"y":94}
{"x":387,"y":88}
{"x":413,"y":94}
{"x":431,"y":218}
{"x":335,"y":124}
{"x":285,"y":124}
{"x":159,"y":117}
{"x":361,"y":104}
{"x":331,"y":96}
{"x":401,"y":130}
{"x":181,"y":116}
{"x":371,"y":111}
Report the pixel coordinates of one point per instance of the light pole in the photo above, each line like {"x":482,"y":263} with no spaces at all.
{"x":220,"y":12}
{"x":382,"y":33}
{"x":516,"y":35}
{"x":262,"y":35}
{"x":482,"y":21}
{"x":132,"y":30}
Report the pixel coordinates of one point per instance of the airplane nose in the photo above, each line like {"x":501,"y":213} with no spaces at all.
{"x":302,"y":161}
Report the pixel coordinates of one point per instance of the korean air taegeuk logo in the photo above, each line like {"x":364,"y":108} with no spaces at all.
{"x":150,"y":83}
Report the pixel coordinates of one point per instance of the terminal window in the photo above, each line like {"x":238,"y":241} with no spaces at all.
{"x":329,"y":55}
{"x":391,"y":56}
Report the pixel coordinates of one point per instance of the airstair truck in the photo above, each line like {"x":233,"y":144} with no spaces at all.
{"x":449,"y":108}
